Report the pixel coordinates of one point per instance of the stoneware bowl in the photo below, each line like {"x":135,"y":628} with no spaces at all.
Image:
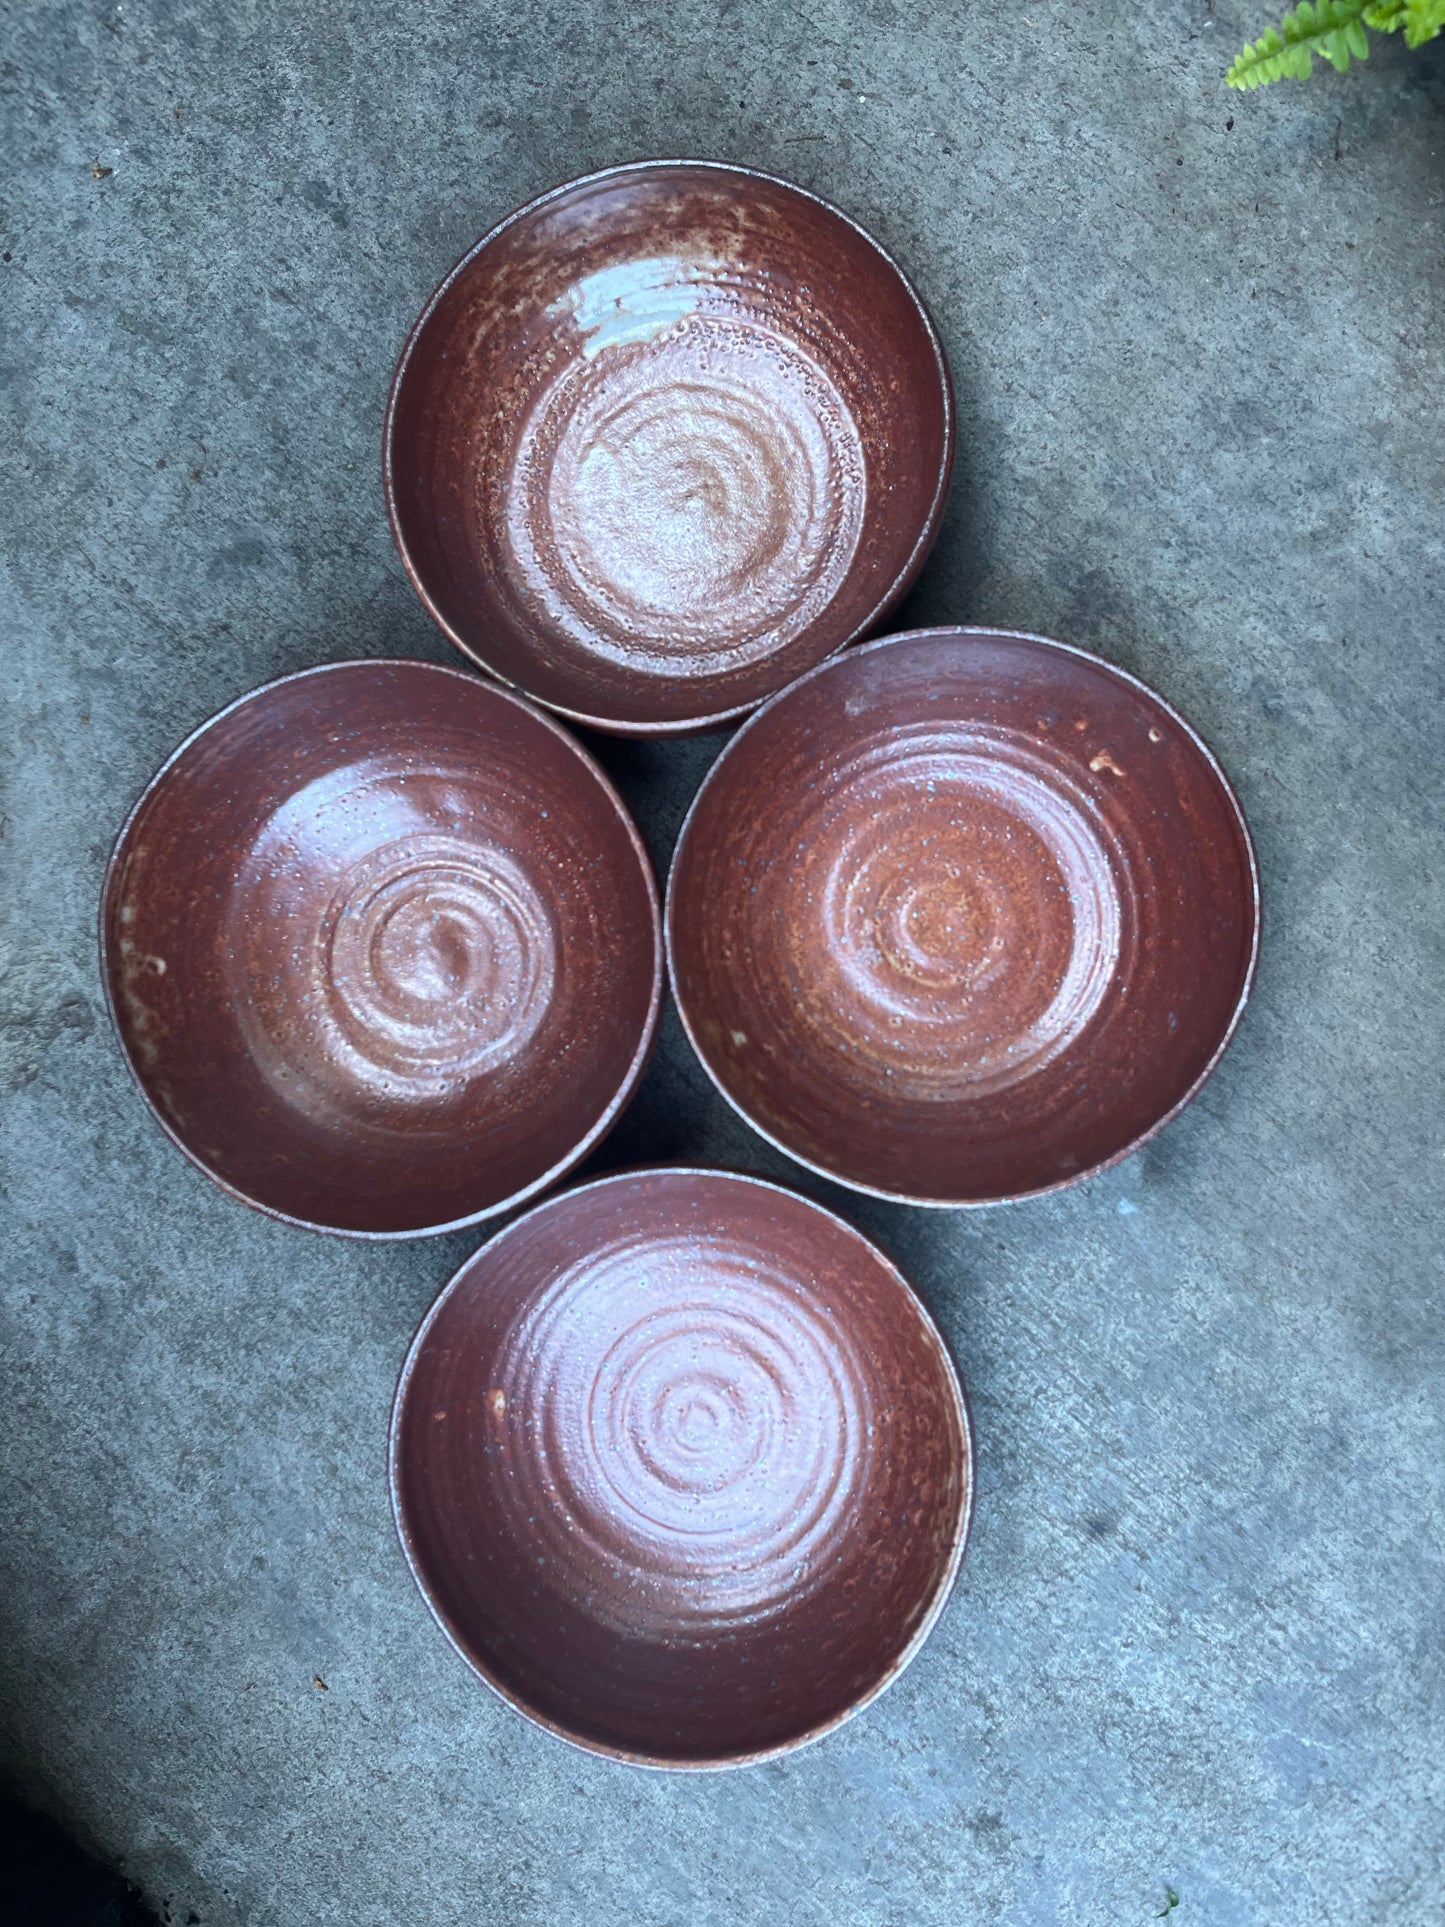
{"x":682,"y":1467}
{"x":664,"y":439}
{"x":962,"y":916}
{"x":383,"y":949}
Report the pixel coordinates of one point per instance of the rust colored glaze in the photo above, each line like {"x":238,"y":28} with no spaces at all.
{"x":682,"y":1467}
{"x":664,"y":439}
{"x":992,"y":927}
{"x":383,"y":949}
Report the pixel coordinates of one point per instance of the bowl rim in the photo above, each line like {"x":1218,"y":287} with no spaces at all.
{"x":902,"y":581}
{"x":638,"y":1064}
{"x":943,"y":1590}
{"x":1048,"y":643}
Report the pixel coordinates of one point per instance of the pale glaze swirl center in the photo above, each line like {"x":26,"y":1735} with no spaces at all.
{"x":695,"y":1421}
{"x":956,"y":912}
{"x":431,"y":960}
{"x":689,"y":502}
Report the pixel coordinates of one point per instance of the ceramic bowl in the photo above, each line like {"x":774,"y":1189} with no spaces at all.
{"x":962,"y":916}
{"x":664,"y":439}
{"x":682,"y":1467}
{"x":383,"y":949}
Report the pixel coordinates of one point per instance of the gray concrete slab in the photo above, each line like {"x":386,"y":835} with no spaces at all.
{"x":1197,"y":1644}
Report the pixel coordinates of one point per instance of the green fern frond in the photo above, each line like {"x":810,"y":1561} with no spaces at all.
{"x":1335,"y":30}
{"x":1330,"y":28}
{"x":1424,"y":20}
{"x":1268,"y":59}
{"x":1421,"y":20}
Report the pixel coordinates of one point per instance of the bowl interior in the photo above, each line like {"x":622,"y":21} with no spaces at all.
{"x":382,"y":947}
{"x":995,"y":922}
{"x":681,"y":1466}
{"x":668,"y":437}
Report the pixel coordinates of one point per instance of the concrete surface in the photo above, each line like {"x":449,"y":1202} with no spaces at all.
{"x":1197,"y":1647}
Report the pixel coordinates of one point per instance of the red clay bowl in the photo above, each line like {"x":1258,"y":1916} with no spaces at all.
{"x":383,"y":949}
{"x":664,"y":439}
{"x":962,"y":917}
{"x":682,"y":1468}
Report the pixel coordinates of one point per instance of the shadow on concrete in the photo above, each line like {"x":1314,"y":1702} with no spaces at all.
{"x":49,"y":1880}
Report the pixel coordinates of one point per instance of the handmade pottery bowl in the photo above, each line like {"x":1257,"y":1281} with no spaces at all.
{"x":962,"y":916}
{"x":664,"y":439}
{"x":682,"y":1467}
{"x":383,"y":949}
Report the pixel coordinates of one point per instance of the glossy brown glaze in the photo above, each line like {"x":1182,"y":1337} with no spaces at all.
{"x":682,"y":1467}
{"x":664,"y":439}
{"x":962,"y":916}
{"x":383,"y":948}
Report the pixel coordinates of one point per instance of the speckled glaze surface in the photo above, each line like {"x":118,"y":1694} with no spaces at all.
{"x":383,"y":948}
{"x":666,"y":438}
{"x":996,"y":923}
{"x":682,"y":1467}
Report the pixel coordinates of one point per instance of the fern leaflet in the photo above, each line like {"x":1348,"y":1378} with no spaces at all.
{"x":1424,"y":20}
{"x":1330,"y":28}
{"x":1335,"y":30}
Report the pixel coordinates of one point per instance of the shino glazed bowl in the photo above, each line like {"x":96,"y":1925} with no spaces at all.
{"x":682,"y":1467}
{"x":664,"y":439}
{"x":383,"y":949}
{"x":962,"y":916}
